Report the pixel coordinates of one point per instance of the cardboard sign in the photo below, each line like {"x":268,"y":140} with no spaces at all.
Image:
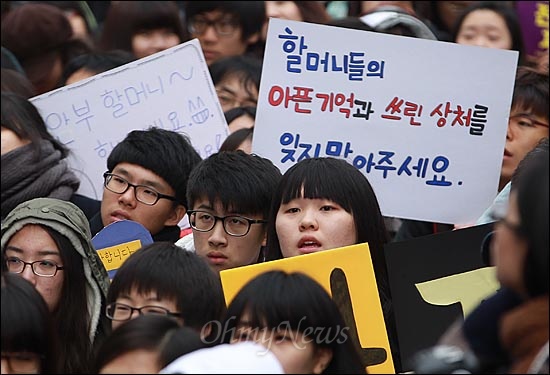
{"x":434,"y":281}
{"x":420,"y":118}
{"x":348,"y":276}
{"x":171,"y":89}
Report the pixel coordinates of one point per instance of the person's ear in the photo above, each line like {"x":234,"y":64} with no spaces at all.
{"x":323,"y":358}
{"x":252,"y":39}
{"x":176,"y":215}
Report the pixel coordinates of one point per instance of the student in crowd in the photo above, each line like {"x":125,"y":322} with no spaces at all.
{"x":28,"y":342}
{"x":239,"y":140}
{"x":441,"y":16}
{"x":508,"y":331}
{"x":142,"y":27}
{"x":527,"y":125}
{"x":489,"y":24}
{"x":296,"y":319}
{"x":229,"y":195}
{"x":237,"y":81}
{"x":17,"y":82}
{"x":146,"y":181}
{"x":326,"y":203}
{"x":81,"y":18}
{"x":48,"y":242}
{"x":34,"y":163}
{"x":225,"y":28}
{"x":41,"y":38}
{"x":145,"y":345}
{"x":162,"y":279}
{"x":90,"y":64}
{"x":528,"y":121}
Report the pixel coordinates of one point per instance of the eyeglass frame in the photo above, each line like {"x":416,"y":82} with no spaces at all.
{"x":213,"y":23}
{"x":222,"y":219}
{"x":129,"y":184}
{"x":138,"y":309}
{"x":25,"y":264}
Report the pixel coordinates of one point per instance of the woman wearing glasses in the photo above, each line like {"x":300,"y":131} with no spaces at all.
{"x":48,"y":242}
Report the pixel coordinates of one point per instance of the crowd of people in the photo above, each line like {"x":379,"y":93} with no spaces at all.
{"x":164,"y":311}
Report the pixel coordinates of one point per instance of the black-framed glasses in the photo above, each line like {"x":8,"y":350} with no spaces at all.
{"x":121,"y":311}
{"x":44,"y":268}
{"x":234,"y":225}
{"x":223,"y":27}
{"x":144,"y":194}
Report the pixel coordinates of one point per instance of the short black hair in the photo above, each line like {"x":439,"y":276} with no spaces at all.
{"x":96,"y":62}
{"x":242,"y":182}
{"x":235,"y":139}
{"x":166,"y":153}
{"x":174,"y":274}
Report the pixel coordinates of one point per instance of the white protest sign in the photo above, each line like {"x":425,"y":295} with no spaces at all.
{"x":424,"y":120}
{"x":171,"y":89}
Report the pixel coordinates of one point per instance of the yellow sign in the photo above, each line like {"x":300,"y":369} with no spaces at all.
{"x":348,"y":276}
{"x":468,"y":288}
{"x":113,"y":257}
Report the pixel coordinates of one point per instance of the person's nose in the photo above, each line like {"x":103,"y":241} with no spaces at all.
{"x":308,"y":220}
{"x":28,"y":274}
{"x":128,"y":198}
{"x":210,"y":34}
{"x":218,"y":236}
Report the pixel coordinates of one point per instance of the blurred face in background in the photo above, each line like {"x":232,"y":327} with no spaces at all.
{"x":509,"y":249}
{"x":148,"y":42}
{"x":233,"y":92}
{"x":484,"y":28}
{"x":287,"y":10}
{"x":220,"y":35}
{"x":450,"y":10}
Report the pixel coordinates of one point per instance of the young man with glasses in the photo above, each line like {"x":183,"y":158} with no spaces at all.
{"x":229,"y":196}
{"x":146,"y":182}
{"x":162,"y":279}
{"x":225,"y":28}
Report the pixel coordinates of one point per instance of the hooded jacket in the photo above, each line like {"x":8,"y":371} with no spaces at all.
{"x":69,"y":220}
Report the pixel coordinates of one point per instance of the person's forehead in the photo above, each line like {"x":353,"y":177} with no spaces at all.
{"x":216,"y":14}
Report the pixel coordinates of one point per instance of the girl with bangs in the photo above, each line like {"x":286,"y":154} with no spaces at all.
{"x":292,"y":316}
{"x":326,"y":203}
